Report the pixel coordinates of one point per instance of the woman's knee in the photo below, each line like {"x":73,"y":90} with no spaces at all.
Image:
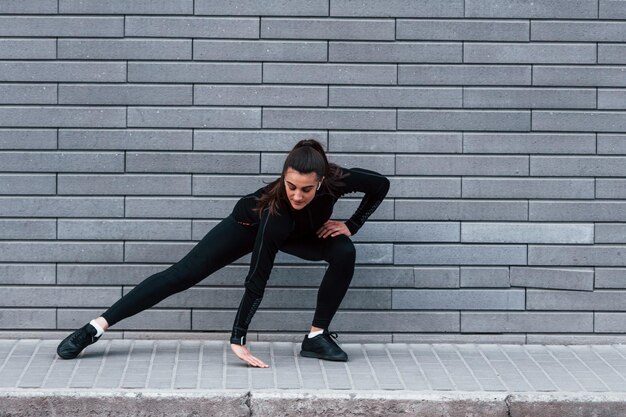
{"x":343,"y":249}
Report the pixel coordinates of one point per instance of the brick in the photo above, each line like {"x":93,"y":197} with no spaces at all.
{"x":529,"y":98}
{"x":27,"y":318}
{"x":602,"y":211}
{"x":194,"y":72}
{"x":600,"y":255}
{"x":425,"y":187}
{"x":553,"y":278}
{"x":27,"y":49}
{"x":446,"y":254}
{"x":450,"y":209}
{"x":259,"y":50}
{"x":610,"y":278}
{"x":28,"y":93}
{"x":577,"y":166}
{"x":105,"y":274}
{"x":464,"y":120}
{"x":610,"y":144}
{"x":195,"y":117}
{"x":396,"y":142}
{"x":124,"y":229}
{"x":526,"y":233}
{"x":527,"y":188}
{"x":265,"y":95}
{"x":510,"y":322}
{"x":579,"y":76}
{"x":458,"y":299}
{"x":436,"y":277}
{"x":609,"y":322}
{"x":394,"y":97}
{"x":529,"y":143}
{"x":192,"y":27}
{"x":58,"y":252}
{"x":567,"y":339}
{"x":260,"y":140}
{"x":27,"y":229}
{"x":461,"y":165}
{"x":185,"y":162}
{"x":458,"y":338}
{"x":291,"y":320}
{"x":62,"y":116}
{"x":598,"y":300}
{"x":610,"y":188}
{"x":408,"y":232}
{"x":228,"y":185}
{"x":152,"y":319}
{"x":63,"y":71}
{"x":131,"y":139}
{"x":397,"y":8}
{"x":29,"y":6}
{"x":54,"y":161}
{"x":346,"y":207}
{"x":428,"y":74}
{"x":125,"y":94}
{"x":125,"y":7}
{"x":554,"y":30}
{"x":395,"y":52}
{"x":61,"y":206}
{"x":579,"y":121}
{"x":611,"y":9}
{"x":527,"y":53}
{"x":124,"y":49}
{"x":328,"y":28}
{"x":58,"y":296}
{"x":23,"y":274}
{"x":276,"y":298}
{"x":383,"y":164}
{"x":329,"y":73}
{"x":27,"y":184}
{"x":329,"y":119}
{"x":611,"y":99}
{"x":268,"y":7}
{"x":62,"y":26}
{"x":178,"y":207}
{"x":610,"y":233}
{"x":463,"y":30}
{"x":485,"y":277}
{"x":127,"y":184}
{"x":611,"y":53}
{"x":28,"y":138}
{"x":379,"y":276}
{"x":536,"y":9}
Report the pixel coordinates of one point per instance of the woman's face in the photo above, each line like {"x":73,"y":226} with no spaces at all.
{"x":300,"y":187}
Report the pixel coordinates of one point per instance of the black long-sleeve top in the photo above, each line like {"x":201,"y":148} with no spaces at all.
{"x":273,"y":230}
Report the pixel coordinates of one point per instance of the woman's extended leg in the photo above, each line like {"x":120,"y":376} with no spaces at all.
{"x":223,"y":244}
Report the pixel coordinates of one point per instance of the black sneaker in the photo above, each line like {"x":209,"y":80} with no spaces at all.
{"x":72,"y":345}
{"x":323,"y":346}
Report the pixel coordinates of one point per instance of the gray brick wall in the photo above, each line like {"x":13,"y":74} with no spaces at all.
{"x":128,"y":129}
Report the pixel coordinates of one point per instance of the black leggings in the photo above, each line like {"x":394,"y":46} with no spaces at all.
{"x":224,"y":244}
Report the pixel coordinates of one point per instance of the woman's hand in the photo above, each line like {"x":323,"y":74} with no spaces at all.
{"x":333,"y":228}
{"x":244,"y":354}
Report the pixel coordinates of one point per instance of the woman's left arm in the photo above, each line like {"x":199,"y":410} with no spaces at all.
{"x":374,"y":185}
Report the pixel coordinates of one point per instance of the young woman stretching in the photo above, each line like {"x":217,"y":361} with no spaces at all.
{"x":290,"y":214}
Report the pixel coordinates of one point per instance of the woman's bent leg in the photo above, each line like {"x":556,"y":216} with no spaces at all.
{"x":222,"y":245}
{"x":340,"y":254}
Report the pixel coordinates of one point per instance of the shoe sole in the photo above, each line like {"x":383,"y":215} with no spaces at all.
{"x":320,"y":356}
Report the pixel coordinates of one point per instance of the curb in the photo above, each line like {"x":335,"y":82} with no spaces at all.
{"x":41,"y":402}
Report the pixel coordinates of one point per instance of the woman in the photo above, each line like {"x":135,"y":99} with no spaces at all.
{"x":290,"y":214}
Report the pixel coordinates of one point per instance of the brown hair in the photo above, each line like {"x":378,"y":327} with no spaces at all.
{"x":306,"y":156}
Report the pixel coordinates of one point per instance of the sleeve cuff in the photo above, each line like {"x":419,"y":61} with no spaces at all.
{"x":352,"y":226}
{"x":238,"y":340}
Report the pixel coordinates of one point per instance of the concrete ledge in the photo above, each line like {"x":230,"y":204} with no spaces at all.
{"x":25,"y":403}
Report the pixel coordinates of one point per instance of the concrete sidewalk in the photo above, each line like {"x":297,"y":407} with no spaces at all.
{"x":169,"y":377}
